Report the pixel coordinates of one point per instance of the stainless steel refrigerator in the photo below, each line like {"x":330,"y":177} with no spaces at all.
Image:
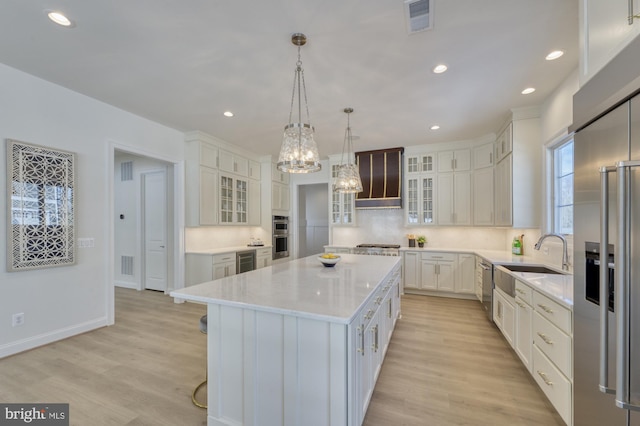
{"x":607,"y":268}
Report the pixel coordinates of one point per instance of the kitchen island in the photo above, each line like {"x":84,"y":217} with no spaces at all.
{"x":298,"y":343}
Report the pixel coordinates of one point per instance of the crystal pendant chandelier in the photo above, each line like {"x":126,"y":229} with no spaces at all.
{"x":347,"y":180}
{"x":299,"y":153}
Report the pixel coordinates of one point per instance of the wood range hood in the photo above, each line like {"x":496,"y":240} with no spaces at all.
{"x":381,"y":174}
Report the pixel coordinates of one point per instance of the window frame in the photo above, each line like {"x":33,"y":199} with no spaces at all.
{"x":551,"y":175}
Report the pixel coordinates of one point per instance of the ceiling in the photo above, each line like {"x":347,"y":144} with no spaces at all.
{"x":183,"y":63}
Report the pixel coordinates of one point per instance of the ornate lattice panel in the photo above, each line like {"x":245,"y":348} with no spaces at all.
{"x":41,"y":194}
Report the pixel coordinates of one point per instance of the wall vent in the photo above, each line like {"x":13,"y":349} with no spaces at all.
{"x":126,"y":171}
{"x":126,"y":265}
{"x":419,"y":15}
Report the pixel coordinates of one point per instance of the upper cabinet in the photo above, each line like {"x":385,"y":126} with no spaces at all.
{"x":221,"y":186}
{"x":420,"y":163}
{"x":278,"y":176}
{"x":342,"y":206}
{"x":233,"y":163}
{"x":518,"y":174}
{"x":605,"y":29}
{"x":504,"y":143}
{"x":454,"y":161}
{"x":483,"y":156}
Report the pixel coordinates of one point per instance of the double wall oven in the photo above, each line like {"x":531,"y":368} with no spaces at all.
{"x":280,"y":237}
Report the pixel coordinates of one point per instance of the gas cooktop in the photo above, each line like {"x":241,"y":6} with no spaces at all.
{"x":383,"y":246}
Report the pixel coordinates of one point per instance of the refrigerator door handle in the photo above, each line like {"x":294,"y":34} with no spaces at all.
{"x":622,"y":288}
{"x":604,"y":280}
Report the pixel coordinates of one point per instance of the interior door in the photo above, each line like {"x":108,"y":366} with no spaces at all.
{"x":155,"y":230}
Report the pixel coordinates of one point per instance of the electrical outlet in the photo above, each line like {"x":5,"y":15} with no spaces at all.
{"x":17,"y":319}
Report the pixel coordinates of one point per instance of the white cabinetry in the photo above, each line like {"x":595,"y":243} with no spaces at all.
{"x":372,"y":330}
{"x":280,"y":199}
{"x":437,"y":271}
{"x":518,"y":173}
{"x":458,"y":161}
{"x":342,"y":208}
{"x":478,"y":288}
{"x":466,"y":276}
{"x":483,"y":196}
{"x":263,"y":257}
{"x":233,"y":163}
{"x":234,"y":200}
{"x":504,"y":314}
{"x":504,"y":142}
{"x":454,"y":198}
{"x":420,"y":194}
{"x":201,"y":268}
{"x":540,"y":332}
{"x":604,"y":32}
{"x":217,"y":188}
{"x":423,"y":163}
{"x":483,"y":156}
{"x":553,"y":353}
{"x":524,"y":322}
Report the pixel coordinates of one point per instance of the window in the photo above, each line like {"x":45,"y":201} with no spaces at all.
{"x":563,"y":188}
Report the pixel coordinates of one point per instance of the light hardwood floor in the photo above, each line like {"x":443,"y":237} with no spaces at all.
{"x":446,"y":365}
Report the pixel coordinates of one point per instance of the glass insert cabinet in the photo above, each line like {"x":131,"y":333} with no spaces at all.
{"x":342,"y":205}
{"x":420,"y":189}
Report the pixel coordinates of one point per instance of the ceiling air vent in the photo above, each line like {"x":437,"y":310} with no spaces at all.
{"x":419,"y":15}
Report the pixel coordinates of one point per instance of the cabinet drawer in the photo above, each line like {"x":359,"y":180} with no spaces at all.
{"x":553,"y":342}
{"x":553,"y":311}
{"x":224,"y":257}
{"x":263,"y":252}
{"x":524,"y":292}
{"x":554,"y":385}
{"x":439,"y":256}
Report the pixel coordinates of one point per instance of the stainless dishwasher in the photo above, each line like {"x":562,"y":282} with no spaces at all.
{"x":245,"y":261}
{"x":487,"y":288}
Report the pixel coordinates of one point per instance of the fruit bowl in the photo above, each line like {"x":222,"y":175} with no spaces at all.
{"x":329,"y":259}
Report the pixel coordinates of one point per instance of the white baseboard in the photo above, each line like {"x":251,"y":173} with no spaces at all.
{"x":13,"y":348}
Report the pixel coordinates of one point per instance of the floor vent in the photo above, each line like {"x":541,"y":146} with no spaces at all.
{"x":419,"y":15}
{"x":126,"y":265}
{"x":126,"y":171}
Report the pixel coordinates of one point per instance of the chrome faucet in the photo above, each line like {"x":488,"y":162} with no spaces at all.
{"x":565,"y":254}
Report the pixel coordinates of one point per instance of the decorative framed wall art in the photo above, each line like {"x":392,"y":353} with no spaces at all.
{"x":40,"y":203}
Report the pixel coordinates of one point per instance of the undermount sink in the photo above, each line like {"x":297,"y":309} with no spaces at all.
{"x":531,"y":268}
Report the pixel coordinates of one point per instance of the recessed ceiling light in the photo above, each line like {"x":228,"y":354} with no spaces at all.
{"x":434,"y":127}
{"x":59,"y":18}
{"x":439,"y":69}
{"x":528,"y":90}
{"x":228,"y":114}
{"x":554,"y":55}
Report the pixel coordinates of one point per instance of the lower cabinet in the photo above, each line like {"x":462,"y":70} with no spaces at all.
{"x":439,"y":273}
{"x":540,"y":331}
{"x":264,"y":257}
{"x":504,"y":314}
{"x":372,"y":331}
{"x":224,"y":265}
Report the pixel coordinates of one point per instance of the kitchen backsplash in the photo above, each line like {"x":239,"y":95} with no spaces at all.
{"x":210,"y":237}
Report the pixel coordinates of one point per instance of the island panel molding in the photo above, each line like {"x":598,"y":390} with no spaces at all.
{"x":40,"y":203}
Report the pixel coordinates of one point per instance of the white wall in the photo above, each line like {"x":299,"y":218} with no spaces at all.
{"x":59,"y":302}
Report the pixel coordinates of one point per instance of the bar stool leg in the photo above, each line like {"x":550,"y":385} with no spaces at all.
{"x":194,"y":399}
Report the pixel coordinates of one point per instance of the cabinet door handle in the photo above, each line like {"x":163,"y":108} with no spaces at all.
{"x":374,"y":330}
{"x":361,"y":331}
{"x":545,"y":378}
{"x":491,"y":158}
{"x":520,"y":291}
{"x":522,"y":305}
{"x":389,"y":307}
{"x":452,"y":167}
{"x":545,"y":338}
{"x":546,"y":308}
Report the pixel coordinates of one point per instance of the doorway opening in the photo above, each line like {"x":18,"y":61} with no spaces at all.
{"x":313,"y":219}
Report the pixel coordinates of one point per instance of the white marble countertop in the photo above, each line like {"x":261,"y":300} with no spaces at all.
{"x":302,"y":287}
{"x":558,"y":287}
{"x":228,"y":249}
